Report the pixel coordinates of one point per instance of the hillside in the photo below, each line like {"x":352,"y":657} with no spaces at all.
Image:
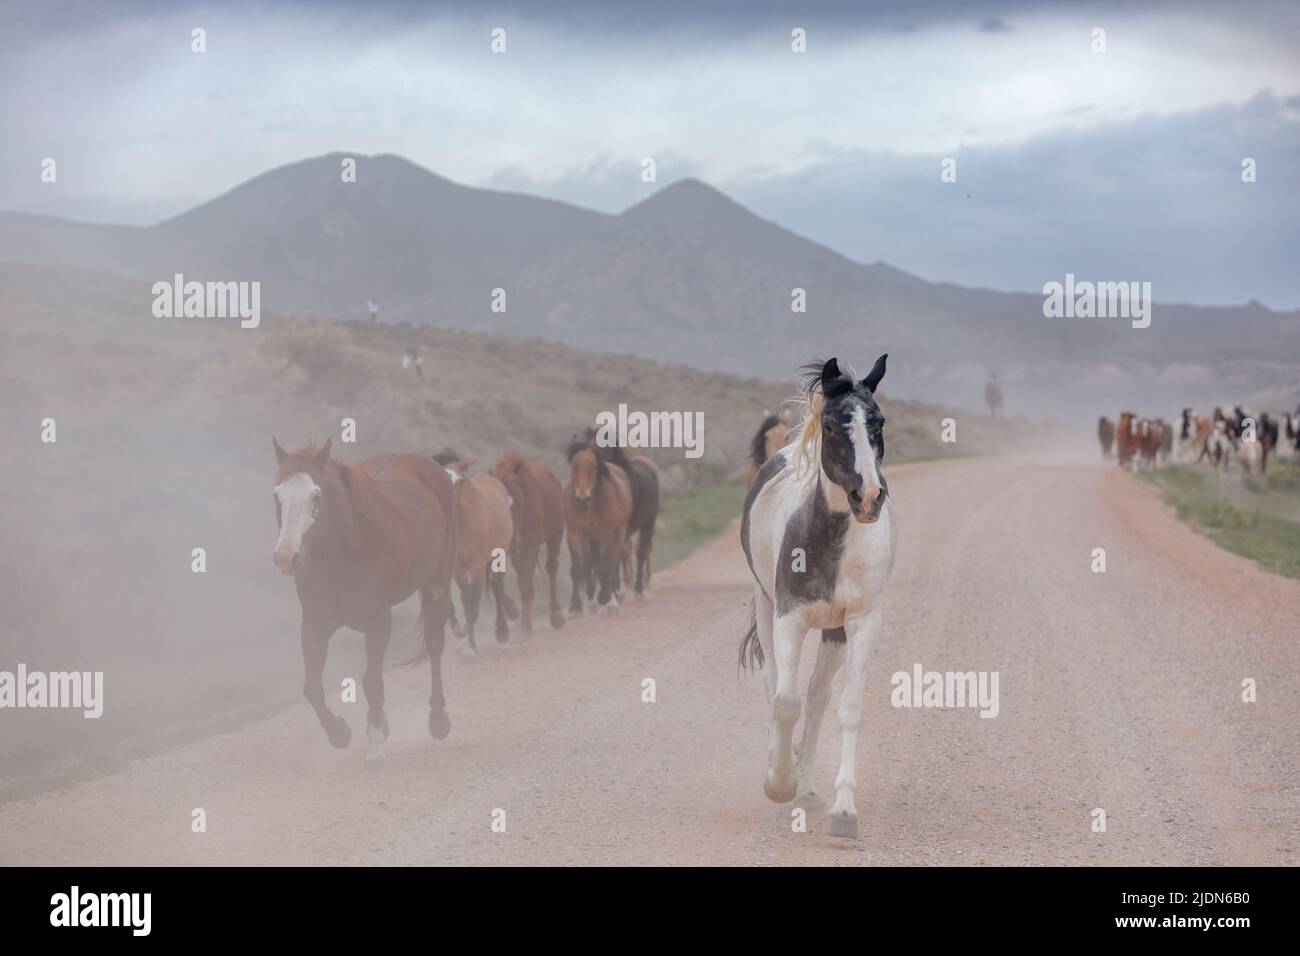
{"x":685,"y":276}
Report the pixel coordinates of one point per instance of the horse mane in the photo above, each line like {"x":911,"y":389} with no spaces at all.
{"x":358,"y":506}
{"x":575,"y":446}
{"x":807,"y":435}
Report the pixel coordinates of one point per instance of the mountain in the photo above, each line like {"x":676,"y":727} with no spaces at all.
{"x":688,"y":275}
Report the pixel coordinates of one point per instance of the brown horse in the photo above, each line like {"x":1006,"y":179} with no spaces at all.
{"x":1106,"y":435}
{"x":643,"y":480}
{"x":770,"y":438}
{"x":484,"y":531}
{"x":597,"y":505}
{"x":359,"y":538}
{"x":1126,"y":439}
{"x":537,"y":507}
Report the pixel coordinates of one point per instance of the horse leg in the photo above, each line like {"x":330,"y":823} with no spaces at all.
{"x":315,"y":644}
{"x":644,"y":542}
{"x":524,"y":568}
{"x":830,"y":654}
{"x":471,"y":599}
{"x":592,"y":569}
{"x":862,"y":634}
{"x":497,"y":582}
{"x":552,"y":571}
{"x":626,"y":558}
{"x":787,"y":637}
{"x":435,"y":606}
{"x":377,"y":634}
{"x":457,"y":629}
{"x":578,"y":572}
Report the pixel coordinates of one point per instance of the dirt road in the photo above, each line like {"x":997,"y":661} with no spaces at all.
{"x":1119,"y":691}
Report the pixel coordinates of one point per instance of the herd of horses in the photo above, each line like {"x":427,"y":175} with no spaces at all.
{"x":817,"y":532}
{"x":360,"y":538}
{"x":1137,"y":442}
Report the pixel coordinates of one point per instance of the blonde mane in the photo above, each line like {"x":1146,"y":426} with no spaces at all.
{"x":806,"y":437}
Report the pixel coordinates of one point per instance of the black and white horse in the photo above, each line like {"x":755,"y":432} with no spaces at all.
{"x":819,"y":535}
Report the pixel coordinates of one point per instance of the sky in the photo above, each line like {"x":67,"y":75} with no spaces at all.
{"x":1116,"y":165}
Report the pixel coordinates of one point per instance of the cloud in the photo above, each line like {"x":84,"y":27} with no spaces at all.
{"x":995,"y":25}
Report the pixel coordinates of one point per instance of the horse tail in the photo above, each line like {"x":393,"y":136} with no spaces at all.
{"x":751,"y":651}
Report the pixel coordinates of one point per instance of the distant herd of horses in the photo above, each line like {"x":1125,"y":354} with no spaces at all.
{"x":1218,"y":439}
{"x":359,"y":538}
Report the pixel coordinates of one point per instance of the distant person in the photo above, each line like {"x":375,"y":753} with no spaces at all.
{"x":412,"y":360}
{"x":993,"y":396}
{"x":372,"y":309}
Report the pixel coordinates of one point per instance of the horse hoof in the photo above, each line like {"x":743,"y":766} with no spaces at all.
{"x":469,"y":652}
{"x":778,"y":794}
{"x":844,"y":825}
{"x":439,"y":725}
{"x":374,"y":763}
{"x":557,"y":619}
{"x":808,"y":799}
{"x":340,"y":734}
{"x":503,"y":634}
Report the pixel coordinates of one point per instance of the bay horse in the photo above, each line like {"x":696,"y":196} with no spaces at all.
{"x":537,"y":509}
{"x":1126,"y":439}
{"x":1106,"y":435}
{"x":358,"y":539}
{"x":643,"y":480}
{"x":484,"y":527}
{"x":597,"y":505}
{"x":818,"y":532}
{"x":772,"y":434}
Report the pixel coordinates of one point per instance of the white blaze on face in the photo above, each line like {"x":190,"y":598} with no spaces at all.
{"x":864,"y":456}
{"x":298,"y":496}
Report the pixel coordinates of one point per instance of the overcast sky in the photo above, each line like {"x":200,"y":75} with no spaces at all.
{"x":1117,"y":165}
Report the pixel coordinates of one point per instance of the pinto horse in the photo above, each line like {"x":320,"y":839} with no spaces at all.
{"x":771,"y":436}
{"x":537,"y":508}
{"x":359,"y":538}
{"x":484,"y":529}
{"x":597,"y":505}
{"x":823,"y":499}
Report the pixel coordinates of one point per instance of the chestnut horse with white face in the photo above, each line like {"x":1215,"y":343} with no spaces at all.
{"x":819,"y":534}
{"x":357,"y":539}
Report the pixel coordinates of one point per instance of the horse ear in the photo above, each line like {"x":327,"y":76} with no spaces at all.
{"x":875,"y":375}
{"x":830,"y":372}
{"x":280,"y":453}
{"x":323,"y":456}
